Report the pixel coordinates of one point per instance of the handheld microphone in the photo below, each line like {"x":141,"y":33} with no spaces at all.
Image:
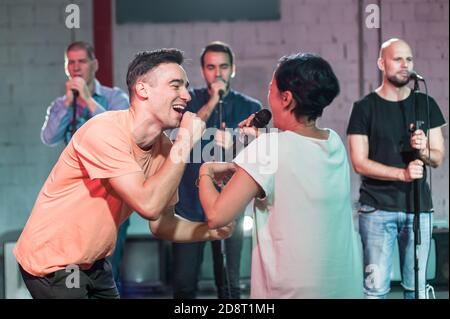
{"x":221,"y":91}
{"x":415,"y":76}
{"x":261,"y":119}
{"x":221,"y":94}
{"x":73,"y":124}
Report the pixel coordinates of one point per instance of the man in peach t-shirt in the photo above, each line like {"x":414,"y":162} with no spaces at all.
{"x":115,"y":163}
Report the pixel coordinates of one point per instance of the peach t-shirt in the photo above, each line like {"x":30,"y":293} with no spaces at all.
{"x":77,"y":213}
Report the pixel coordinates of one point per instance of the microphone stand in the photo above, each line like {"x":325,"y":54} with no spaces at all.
{"x":222,"y":241}
{"x":73,"y":125}
{"x":417,"y":192}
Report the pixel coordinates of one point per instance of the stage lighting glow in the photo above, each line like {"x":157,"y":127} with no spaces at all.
{"x":248,"y":223}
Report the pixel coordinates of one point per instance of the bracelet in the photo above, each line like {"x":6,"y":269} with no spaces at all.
{"x":200,"y":176}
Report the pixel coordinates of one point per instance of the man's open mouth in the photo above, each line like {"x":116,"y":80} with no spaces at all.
{"x":179,"y":108}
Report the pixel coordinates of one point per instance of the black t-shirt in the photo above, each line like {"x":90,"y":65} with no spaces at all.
{"x":387,"y":125}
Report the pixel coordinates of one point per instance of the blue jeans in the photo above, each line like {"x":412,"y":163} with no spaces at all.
{"x":380,"y":231}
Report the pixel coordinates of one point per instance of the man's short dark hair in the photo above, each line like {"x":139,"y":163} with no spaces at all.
{"x":217,"y":46}
{"x":148,"y":60}
{"x":81,"y":45}
{"x":310,"y":79}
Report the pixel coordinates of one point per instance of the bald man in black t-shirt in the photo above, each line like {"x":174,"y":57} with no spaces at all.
{"x":389,"y":153}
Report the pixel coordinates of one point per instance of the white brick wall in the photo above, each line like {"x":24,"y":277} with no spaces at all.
{"x":33,"y":37}
{"x":327,"y":27}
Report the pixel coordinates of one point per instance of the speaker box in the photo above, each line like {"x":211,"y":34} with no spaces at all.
{"x":440,"y":237}
{"x":144,"y":264}
{"x":14,"y":285}
{"x":437,"y":267}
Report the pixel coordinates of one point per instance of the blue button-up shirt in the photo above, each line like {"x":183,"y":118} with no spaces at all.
{"x":58,"y":120}
{"x":236,"y":108}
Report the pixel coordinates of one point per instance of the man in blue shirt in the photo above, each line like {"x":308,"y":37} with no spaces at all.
{"x":218,"y":69}
{"x":92,"y":99}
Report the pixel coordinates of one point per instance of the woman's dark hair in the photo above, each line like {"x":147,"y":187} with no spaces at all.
{"x":310,"y":79}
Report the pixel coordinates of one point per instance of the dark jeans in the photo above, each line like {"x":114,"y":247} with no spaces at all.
{"x":95,"y":283}
{"x":116,"y":258}
{"x":188,"y":258}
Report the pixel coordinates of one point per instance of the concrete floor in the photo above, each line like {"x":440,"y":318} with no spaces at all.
{"x":207,"y":291}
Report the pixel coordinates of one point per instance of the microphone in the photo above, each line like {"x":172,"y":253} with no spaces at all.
{"x":221,"y":94}
{"x":73,"y":124}
{"x":261,"y":119}
{"x":415,"y":76}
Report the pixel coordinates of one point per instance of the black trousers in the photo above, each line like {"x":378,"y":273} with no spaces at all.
{"x":73,"y":283}
{"x":188,"y":258}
